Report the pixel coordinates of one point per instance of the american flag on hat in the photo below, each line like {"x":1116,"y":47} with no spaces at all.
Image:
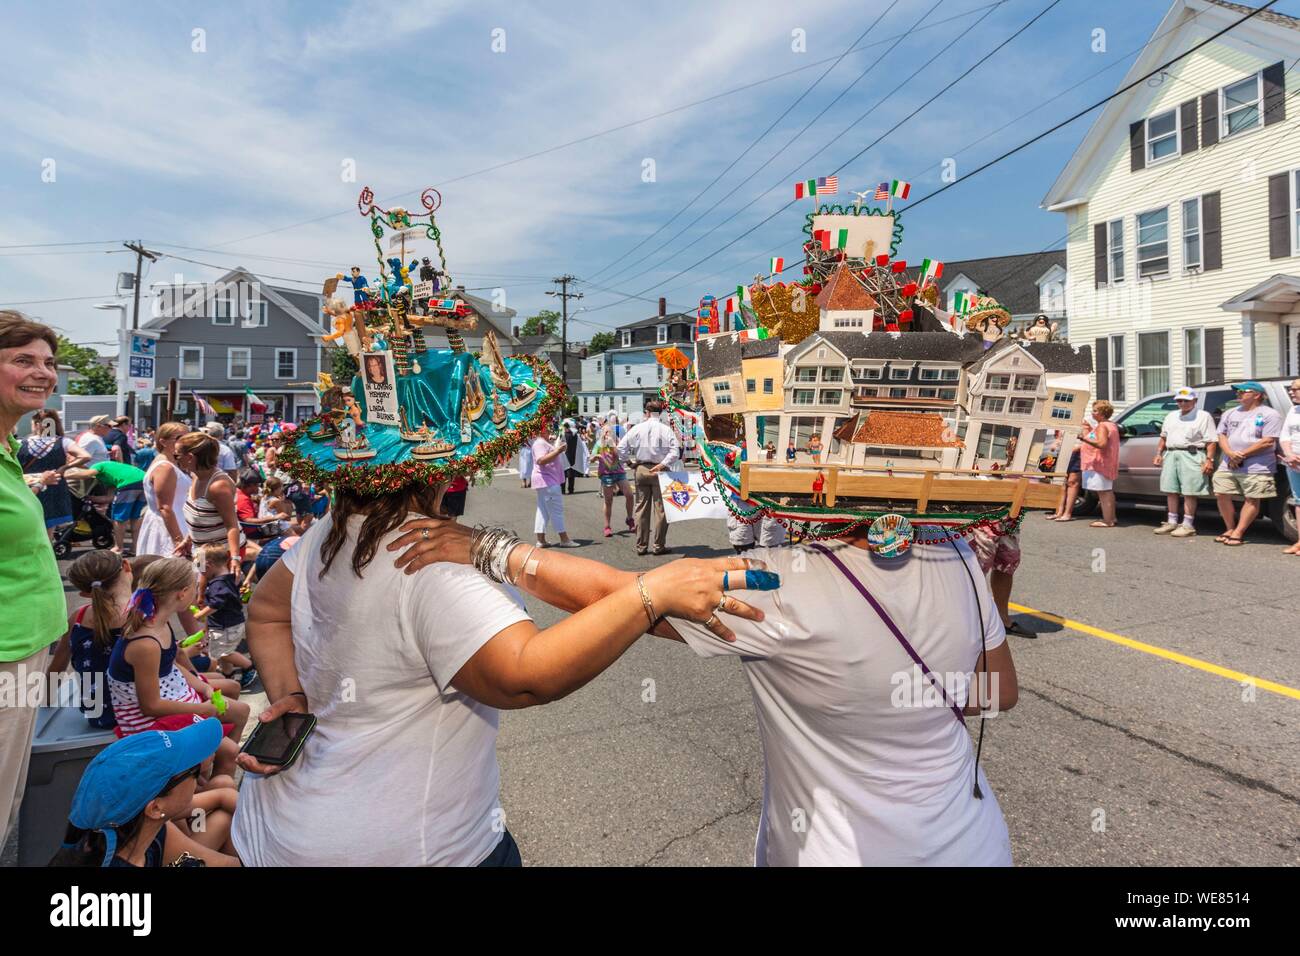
{"x":882,"y":191}
{"x":828,"y":185}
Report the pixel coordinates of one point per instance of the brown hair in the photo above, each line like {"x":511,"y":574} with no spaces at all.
{"x":49,"y":413}
{"x":163,"y":577}
{"x":17,"y":330}
{"x":273,"y":486}
{"x":169,"y":431}
{"x":216,"y":554}
{"x":1103,"y":409}
{"x":202,"y":446}
{"x":94,"y":572}
{"x":382,"y":515}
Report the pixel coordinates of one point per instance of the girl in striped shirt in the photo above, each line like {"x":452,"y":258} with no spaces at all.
{"x":148,"y":689}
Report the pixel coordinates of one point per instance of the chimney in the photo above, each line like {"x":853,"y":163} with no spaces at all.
{"x":516,"y":331}
{"x":663,"y":307}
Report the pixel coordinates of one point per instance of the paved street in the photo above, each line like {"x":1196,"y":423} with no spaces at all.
{"x":1185,"y":770}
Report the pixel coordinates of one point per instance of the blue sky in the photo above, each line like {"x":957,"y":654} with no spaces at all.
{"x":239,"y":149}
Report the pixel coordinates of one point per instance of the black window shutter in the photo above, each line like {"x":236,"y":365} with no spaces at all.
{"x":1099,"y":254}
{"x":1274,"y":94}
{"x":1187,"y":119}
{"x":1214,"y":355}
{"x":1211,"y":233}
{"x":1137,"y":146}
{"x":1279,"y":218}
{"x":1101,"y":362}
{"x":1209,"y":119}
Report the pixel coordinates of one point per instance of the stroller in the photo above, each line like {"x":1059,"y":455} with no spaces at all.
{"x":88,"y":525}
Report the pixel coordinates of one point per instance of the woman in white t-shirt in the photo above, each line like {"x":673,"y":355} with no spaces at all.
{"x":864,"y":761}
{"x":405,"y":675}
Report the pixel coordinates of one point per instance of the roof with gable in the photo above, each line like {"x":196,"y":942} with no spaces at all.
{"x":181,"y":305}
{"x":1012,"y":280}
{"x":909,"y":346}
{"x":718,"y":355}
{"x":844,"y":293}
{"x":905,"y":430}
{"x":1059,"y":357}
{"x":1281,"y":19}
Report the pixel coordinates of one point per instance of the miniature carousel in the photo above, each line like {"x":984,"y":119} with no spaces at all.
{"x":851,"y":397}
{"x":413,"y":411}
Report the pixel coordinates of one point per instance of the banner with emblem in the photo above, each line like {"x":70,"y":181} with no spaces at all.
{"x":687,"y":496}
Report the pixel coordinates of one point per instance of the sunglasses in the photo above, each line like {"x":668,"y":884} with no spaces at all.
{"x":180,"y":778}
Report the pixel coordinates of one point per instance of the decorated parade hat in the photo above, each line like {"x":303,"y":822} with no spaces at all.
{"x":416,"y":413}
{"x":884,"y":419}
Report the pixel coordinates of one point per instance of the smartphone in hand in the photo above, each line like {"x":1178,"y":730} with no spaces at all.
{"x":278,"y":742}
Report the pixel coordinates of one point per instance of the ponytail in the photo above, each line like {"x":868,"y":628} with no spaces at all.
{"x":163,"y":577}
{"x":95,"y":573}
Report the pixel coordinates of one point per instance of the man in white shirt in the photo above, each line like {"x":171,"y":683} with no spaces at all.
{"x":92,"y":439}
{"x":1185,"y":456}
{"x":226,"y":459}
{"x":651,"y":447}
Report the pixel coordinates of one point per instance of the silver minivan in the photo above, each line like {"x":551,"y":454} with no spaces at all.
{"x":1139,"y":428}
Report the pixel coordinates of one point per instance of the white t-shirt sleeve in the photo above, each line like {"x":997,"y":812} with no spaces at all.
{"x":305,"y":544}
{"x":753,"y":638}
{"x":1291,"y":430}
{"x":68,"y":444}
{"x":450,"y":611}
{"x":995,"y":634}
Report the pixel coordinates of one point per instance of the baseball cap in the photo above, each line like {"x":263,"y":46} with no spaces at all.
{"x":130,"y":772}
{"x":1185,"y":395}
{"x":1249,"y":387}
{"x":100,"y":420}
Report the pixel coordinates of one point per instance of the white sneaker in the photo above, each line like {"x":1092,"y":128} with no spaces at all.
{"x":1182,"y":531}
{"x":1167,"y":527}
{"x":569,"y":544}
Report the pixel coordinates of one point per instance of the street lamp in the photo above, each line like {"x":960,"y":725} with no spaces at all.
{"x":121,"y":359}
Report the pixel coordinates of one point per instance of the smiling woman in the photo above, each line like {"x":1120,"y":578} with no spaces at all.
{"x":30,"y":589}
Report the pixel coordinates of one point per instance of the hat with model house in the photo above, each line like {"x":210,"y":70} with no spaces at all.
{"x":1185,"y":394}
{"x":417,"y":411}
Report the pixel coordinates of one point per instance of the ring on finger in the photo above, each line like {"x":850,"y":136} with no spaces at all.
{"x":424,"y":533}
{"x":721,"y":605}
{"x":712,"y":622}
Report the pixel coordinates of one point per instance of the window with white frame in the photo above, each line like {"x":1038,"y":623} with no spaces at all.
{"x":1022,"y":406}
{"x":1115,"y":251}
{"x":1239,"y":105}
{"x":930,"y":374}
{"x":1192,"y":233}
{"x":898,"y":393}
{"x":866,"y":392}
{"x":1062,"y":397}
{"x":1162,"y":136}
{"x":927,"y":393}
{"x":951,"y":374}
{"x":1117,"y":390}
{"x":900,"y":373}
{"x":1193,"y":356}
{"x":1295,"y":212}
{"x":832,"y":374}
{"x":767,"y":386}
{"x":256,"y":317}
{"x":1153,"y":242}
{"x":661,"y":334}
{"x":831,"y":396}
{"x":191,"y":362}
{"x":627,"y":338}
{"x":867,"y":373}
{"x":804,"y":396}
{"x":721,"y":387}
{"x":991,"y":403}
{"x":948,"y":393}
{"x":751,"y":385}
{"x":1153,"y":362}
{"x":238,"y":362}
{"x":998,"y":383}
{"x":286,"y":363}
{"x":849,"y":323}
{"x":1062,"y":412}
{"x":222,"y":307}
{"x":1026,"y":383}
{"x":723,"y":399}
{"x":806,"y":374}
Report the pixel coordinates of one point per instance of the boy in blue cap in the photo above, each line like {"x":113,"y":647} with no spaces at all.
{"x":130,"y":796}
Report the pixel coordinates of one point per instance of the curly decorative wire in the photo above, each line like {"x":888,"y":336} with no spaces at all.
{"x":366,"y":201}
{"x":431,"y":200}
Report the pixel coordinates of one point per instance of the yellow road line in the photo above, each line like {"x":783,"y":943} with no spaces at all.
{"x":1174,"y":656}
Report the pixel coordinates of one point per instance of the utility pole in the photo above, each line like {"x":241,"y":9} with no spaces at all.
{"x":123,"y":355}
{"x":565,"y":295}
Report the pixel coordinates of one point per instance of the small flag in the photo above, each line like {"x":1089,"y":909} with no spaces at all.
{"x":742,"y":293}
{"x":753,"y":335}
{"x":207,"y":410}
{"x":255,"y":404}
{"x":841,"y":239}
{"x":778,"y":266}
{"x":882,"y":191}
{"x":806,"y":188}
{"x":823,"y":237}
{"x":732,"y":304}
{"x":899,"y":189}
{"x":963,"y":302}
{"x":828,"y":185}
{"x":930,"y":270}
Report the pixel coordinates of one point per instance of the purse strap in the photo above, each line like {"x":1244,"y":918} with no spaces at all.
{"x":893,"y":629}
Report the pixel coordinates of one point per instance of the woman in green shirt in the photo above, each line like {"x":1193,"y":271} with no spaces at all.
{"x":31,"y":591}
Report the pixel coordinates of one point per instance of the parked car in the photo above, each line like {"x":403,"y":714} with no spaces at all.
{"x":1139,"y":428}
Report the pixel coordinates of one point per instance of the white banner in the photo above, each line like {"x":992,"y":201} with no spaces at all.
{"x":380,"y":382}
{"x":409,"y":235}
{"x":686,"y":496}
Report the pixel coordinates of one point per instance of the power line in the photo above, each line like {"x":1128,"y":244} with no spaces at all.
{"x":771,"y":126}
{"x":615,"y":129}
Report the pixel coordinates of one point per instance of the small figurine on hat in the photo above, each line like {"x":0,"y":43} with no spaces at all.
{"x":360,"y":285}
{"x":818,"y":489}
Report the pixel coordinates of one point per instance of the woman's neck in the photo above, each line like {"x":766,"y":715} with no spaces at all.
{"x":8,"y":422}
{"x":137,"y":852}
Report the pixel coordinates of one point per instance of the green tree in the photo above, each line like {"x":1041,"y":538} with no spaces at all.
{"x":545,"y":322}
{"x":342,"y":366}
{"x":600,"y":342}
{"x":97,"y":379}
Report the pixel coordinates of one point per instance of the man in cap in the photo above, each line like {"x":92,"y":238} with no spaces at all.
{"x":92,"y":439}
{"x":1185,"y":457}
{"x":1249,"y":433}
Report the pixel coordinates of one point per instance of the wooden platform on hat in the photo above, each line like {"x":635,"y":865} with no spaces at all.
{"x":1019,"y":489}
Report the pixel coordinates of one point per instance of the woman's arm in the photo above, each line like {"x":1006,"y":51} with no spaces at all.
{"x":222,"y":497}
{"x":995,"y":687}
{"x":164,"y":489}
{"x":551,"y":455}
{"x":76,"y":457}
{"x":62,"y":653}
